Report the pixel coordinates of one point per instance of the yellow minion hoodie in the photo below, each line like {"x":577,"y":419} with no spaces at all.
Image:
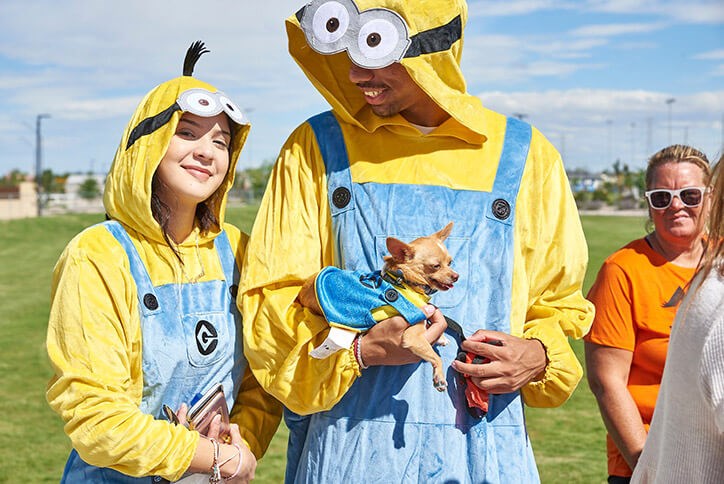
{"x":94,"y":338}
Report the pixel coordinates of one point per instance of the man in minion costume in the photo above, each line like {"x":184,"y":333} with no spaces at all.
{"x":404,"y":150}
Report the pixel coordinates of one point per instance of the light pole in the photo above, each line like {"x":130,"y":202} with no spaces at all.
{"x":247,"y":111}
{"x":39,"y":162}
{"x":669,"y":102}
{"x":609,"y":123}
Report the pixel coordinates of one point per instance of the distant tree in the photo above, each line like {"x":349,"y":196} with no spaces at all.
{"x":89,"y":190}
{"x":12,"y":179}
{"x":254,"y":179}
{"x":51,"y":182}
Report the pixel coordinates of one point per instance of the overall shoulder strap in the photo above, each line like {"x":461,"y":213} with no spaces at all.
{"x":148,"y":301}
{"x":226,"y":256}
{"x":336,"y":161}
{"x":510,"y":171}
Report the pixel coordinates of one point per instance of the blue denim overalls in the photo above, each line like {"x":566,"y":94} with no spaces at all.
{"x":392,"y":425}
{"x":189,"y":344}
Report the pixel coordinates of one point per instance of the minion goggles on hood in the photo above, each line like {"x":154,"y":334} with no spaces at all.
{"x":195,"y":101}
{"x":199,"y":101}
{"x":374,"y":38}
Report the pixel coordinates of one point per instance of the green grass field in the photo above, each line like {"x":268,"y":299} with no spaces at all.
{"x":568,"y":441}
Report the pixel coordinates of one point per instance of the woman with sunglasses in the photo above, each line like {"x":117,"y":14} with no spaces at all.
{"x":636,"y":294}
{"x":686,"y":439}
{"x":143,"y":313}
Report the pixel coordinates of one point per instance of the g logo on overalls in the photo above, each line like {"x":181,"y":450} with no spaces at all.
{"x":207,"y":338}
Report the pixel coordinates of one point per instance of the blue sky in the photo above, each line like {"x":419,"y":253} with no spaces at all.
{"x":592,"y":75}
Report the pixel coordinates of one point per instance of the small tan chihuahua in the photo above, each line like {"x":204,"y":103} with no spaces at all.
{"x":422,"y":266}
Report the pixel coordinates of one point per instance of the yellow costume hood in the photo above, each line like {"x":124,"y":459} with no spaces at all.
{"x":146,"y":139}
{"x":425,"y":36}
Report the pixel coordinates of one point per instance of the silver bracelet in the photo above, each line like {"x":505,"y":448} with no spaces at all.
{"x":215,"y":477}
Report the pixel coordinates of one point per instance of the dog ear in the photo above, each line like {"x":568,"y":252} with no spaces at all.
{"x":444,"y":233}
{"x":400,"y":251}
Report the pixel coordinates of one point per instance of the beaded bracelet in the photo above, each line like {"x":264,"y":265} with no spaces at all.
{"x":357,"y":350}
{"x":215,"y":477}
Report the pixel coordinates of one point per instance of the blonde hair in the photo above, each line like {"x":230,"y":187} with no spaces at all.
{"x":674,"y":154}
{"x":677,"y":154}
{"x":714,"y":250}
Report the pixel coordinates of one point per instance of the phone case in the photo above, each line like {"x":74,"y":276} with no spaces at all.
{"x":212,"y":403}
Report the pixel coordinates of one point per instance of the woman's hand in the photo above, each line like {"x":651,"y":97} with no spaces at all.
{"x":214,"y":427}
{"x":229,"y":455}
{"x":247,"y":467}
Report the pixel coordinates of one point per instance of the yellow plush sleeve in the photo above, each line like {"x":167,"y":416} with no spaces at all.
{"x":290,"y":242}
{"x":94,"y":346}
{"x":255,"y":411}
{"x":551,"y":258}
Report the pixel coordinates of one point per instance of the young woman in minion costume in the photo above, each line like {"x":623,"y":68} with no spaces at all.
{"x":347,"y":179}
{"x":143,"y":310}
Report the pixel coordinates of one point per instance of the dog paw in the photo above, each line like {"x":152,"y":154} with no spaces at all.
{"x":442,"y":341}
{"x":440,"y":385}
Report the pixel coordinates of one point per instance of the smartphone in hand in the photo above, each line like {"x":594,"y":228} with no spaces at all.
{"x":201,"y":413}
{"x":212,"y":403}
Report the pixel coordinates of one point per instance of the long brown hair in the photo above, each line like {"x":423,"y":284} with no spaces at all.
{"x":205,"y":217}
{"x":714,"y":249}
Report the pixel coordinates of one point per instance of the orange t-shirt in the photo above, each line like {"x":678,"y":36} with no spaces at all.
{"x":636,"y":294}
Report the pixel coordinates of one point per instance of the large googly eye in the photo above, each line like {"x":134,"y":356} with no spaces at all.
{"x":330,"y":22}
{"x":231,"y":109}
{"x":200,"y":102}
{"x":378,"y":38}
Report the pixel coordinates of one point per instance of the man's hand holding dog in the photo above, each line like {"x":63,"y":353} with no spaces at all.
{"x":513,"y":362}
{"x":382,"y":344}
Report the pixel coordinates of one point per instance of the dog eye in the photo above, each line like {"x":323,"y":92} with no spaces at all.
{"x":436,"y":267}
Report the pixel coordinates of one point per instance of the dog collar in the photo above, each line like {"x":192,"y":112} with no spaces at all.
{"x":396,"y":278}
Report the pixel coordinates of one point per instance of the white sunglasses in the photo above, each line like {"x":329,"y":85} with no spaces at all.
{"x":661,"y":198}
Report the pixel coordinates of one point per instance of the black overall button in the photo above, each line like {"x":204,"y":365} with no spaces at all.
{"x":341,"y":197}
{"x":233,"y":290}
{"x":150,"y":301}
{"x":501,"y":209}
{"x":391,"y":295}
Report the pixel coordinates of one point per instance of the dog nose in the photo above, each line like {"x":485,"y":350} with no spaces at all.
{"x":455,"y":277}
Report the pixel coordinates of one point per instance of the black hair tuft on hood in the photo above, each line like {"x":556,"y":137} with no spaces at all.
{"x":196,"y":50}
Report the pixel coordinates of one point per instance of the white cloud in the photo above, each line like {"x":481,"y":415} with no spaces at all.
{"x":566,"y":48}
{"x":718,"y":71}
{"x":692,"y":11}
{"x":577,"y":121}
{"x":509,"y":59}
{"x":514,"y":7}
{"x":711,"y":55}
{"x":611,"y":30}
